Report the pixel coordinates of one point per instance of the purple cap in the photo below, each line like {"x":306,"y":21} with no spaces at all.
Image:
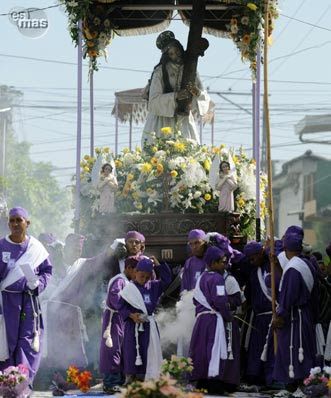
{"x":224,"y":244}
{"x":213,"y":253}
{"x":47,"y":237}
{"x":19,"y":211}
{"x":328,"y":249}
{"x":145,"y":264}
{"x":253,"y":248}
{"x":131,"y":261}
{"x":196,"y":234}
{"x":134,"y":235}
{"x":278,"y":247}
{"x":73,"y":239}
{"x":295,"y":229}
{"x":293,"y":242}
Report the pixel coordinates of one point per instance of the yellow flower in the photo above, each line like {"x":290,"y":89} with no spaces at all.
{"x":130,"y":176}
{"x":262,"y":204}
{"x":106,"y":150}
{"x":182,"y":166}
{"x":139,"y":206}
{"x":174,"y":173}
{"x":118,"y":163}
{"x":86,"y":169}
{"x":206,"y":165}
{"x":235,"y":159}
{"x":222,"y":146}
{"x":97,"y":150}
{"x":252,"y":161}
{"x":149,"y":191}
{"x":90,"y":43}
{"x":207,"y":196}
{"x":167,"y":152}
{"x":241,"y":202}
{"x":262,"y":186}
{"x":92,"y":160}
{"x":216,"y":150}
{"x":154,"y":161}
{"x":265,"y":194}
{"x":179,"y":146}
{"x":138,"y":149}
{"x":135,"y":195}
{"x":118,"y":193}
{"x":154,"y":149}
{"x":246,"y":38}
{"x":81,"y":176}
{"x":82,"y":164}
{"x":233,"y":21}
{"x":204,"y":149}
{"x":243,"y":155}
{"x":166,"y":130}
{"x":126,"y":150}
{"x":329,"y":384}
{"x":252,"y":6}
{"x":159,"y":167}
{"x":146,"y":168}
{"x":86,"y":157}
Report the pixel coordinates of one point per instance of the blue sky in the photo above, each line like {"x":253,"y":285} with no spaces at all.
{"x":299,"y":76}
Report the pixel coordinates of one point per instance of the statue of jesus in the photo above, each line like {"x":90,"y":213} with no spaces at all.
{"x":165,"y":90}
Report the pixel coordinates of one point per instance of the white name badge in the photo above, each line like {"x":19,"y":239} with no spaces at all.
{"x":220,"y":291}
{"x":6,"y":256}
{"x":147,"y":299}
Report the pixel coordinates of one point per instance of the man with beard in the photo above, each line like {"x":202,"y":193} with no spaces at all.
{"x":165,"y":90}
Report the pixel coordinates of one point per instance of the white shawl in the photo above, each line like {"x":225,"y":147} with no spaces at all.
{"x":304,"y":270}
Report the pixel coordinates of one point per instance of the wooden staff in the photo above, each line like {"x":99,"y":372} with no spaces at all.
{"x":270,"y":202}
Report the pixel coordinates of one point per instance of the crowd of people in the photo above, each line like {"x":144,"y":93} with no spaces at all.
{"x":234,"y":333}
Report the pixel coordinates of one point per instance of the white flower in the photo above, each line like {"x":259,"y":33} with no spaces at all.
{"x":245,"y":20}
{"x":160,"y":154}
{"x":197,"y":194}
{"x":327,"y":369}
{"x":102,"y":36}
{"x":234,"y":29}
{"x":315,"y":371}
{"x":72,"y":3}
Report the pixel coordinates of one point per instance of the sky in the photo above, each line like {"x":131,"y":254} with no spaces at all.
{"x":45,"y":70}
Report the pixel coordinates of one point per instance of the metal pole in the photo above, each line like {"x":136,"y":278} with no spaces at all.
{"x":257,"y":143}
{"x":212,"y":131}
{"x":116,"y":126}
{"x":130,"y":132}
{"x":79,"y":124}
{"x":254,"y":118}
{"x":91,"y":115}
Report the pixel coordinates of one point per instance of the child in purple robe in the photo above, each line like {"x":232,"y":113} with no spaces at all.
{"x":194,"y":265}
{"x":208,"y":348}
{"x":111,"y":361}
{"x":24,"y":273}
{"x":259,"y":342}
{"x":296,"y":317}
{"x":142,"y":353}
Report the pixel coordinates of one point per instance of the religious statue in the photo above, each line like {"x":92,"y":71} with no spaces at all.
{"x":164,"y":91}
{"x":225,"y":185}
{"x":107,"y":186}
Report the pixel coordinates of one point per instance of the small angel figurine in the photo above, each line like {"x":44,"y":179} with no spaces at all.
{"x":107,"y":186}
{"x":225,"y":185}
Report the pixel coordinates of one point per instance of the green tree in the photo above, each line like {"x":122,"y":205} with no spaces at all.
{"x":30,"y":184}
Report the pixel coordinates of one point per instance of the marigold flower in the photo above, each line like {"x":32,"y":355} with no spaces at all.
{"x":222,"y":146}
{"x":159,"y":167}
{"x":179,"y":146}
{"x":97,"y":150}
{"x":86,"y":169}
{"x":146,"y":168}
{"x":262,"y":204}
{"x":90,"y":43}
{"x":233,"y":21}
{"x":106,"y":150}
{"x":118,"y":163}
{"x":174,"y":173}
{"x":166,"y":130}
{"x":126,"y":150}
{"x":252,"y":6}
{"x":246,"y":38}
{"x":216,"y":150}
{"x":206,"y":165}
{"x":235,"y":159}
{"x":92,"y":159}
{"x":207,"y":196}
{"x":155,"y":149}
{"x":92,"y":53}
{"x":82,"y":164}
{"x":241,"y":202}
{"x":149,"y":191}
{"x":86,"y":157}
{"x":204,"y":149}
{"x":130,"y":176}
{"x":154,"y":161}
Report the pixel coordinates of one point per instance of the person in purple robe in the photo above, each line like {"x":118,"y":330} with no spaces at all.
{"x":209,"y":347}
{"x":25,"y":270}
{"x":142,"y":353}
{"x":296,"y":316}
{"x":194,"y":265}
{"x":259,"y":342}
{"x":111,"y":361}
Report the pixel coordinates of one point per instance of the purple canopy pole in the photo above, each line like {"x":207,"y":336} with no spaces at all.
{"x":91,"y":115}
{"x":201,"y":125}
{"x":254,"y":119}
{"x":116,"y":126}
{"x":79,"y":123}
{"x":130,"y":132}
{"x":257,"y":142}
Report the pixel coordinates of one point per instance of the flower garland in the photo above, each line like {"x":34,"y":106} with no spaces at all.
{"x":246,"y":29}
{"x":173,"y":169}
{"x":97,"y":28}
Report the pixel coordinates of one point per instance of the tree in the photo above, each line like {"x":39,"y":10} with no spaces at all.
{"x":30,"y":184}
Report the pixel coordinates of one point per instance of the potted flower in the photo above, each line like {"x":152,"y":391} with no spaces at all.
{"x":14,"y":382}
